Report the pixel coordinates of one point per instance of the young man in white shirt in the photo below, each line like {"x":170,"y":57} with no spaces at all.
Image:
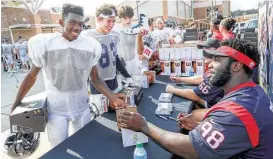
{"x":161,"y":32}
{"x":109,"y":39}
{"x":67,"y":60}
{"x":131,"y":45}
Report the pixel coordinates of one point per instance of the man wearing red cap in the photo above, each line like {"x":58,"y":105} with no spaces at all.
{"x":239,"y":126}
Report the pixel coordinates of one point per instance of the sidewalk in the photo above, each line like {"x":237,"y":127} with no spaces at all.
{"x":9,"y":91}
{"x":8,"y":94}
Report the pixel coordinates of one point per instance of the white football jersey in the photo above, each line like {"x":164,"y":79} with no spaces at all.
{"x":66,"y":66}
{"x":109,"y":43}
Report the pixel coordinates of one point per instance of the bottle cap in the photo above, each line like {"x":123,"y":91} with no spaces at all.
{"x":139,"y":145}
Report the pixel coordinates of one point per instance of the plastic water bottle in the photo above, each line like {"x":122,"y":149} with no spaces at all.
{"x":140,"y":152}
{"x":191,"y":72}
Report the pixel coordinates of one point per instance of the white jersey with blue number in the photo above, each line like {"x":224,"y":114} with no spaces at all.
{"x":109,"y":43}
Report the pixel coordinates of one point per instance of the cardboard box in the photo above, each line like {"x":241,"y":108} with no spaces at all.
{"x":194,"y":58}
{"x":141,"y":81}
{"x":200,"y":62}
{"x":151,"y":75}
{"x":177,"y":68}
{"x":175,"y":54}
{"x":166,"y":67}
{"x":164,"y":54}
{"x":128,"y":108}
{"x":100,"y":101}
{"x":186,"y":60}
{"x":30,"y":115}
{"x":137,"y":92}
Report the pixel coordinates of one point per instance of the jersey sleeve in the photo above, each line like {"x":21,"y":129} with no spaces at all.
{"x":221,"y":135}
{"x":36,"y":48}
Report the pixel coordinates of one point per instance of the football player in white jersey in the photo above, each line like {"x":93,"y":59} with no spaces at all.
{"x":109,"y":39}
{"x":67,"y":59}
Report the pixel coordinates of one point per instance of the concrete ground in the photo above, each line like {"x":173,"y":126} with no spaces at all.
{"x":8,"y":94}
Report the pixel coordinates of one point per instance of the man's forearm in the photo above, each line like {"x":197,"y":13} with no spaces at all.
{"x":185,"y":93}
{"x":140,"y":45}
{"x":100,"y":85}
{"x":176,"y":143}
{"x":122,"y":69}
{"x":26,"y":85}
{"x":192,"y":80}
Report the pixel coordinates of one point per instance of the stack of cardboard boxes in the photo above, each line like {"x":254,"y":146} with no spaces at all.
{"x":180,"y":59}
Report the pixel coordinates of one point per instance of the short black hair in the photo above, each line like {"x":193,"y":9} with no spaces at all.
{"x":215,"y":23}
{"x":150,"y":21}
{"x":106,"y":9}
{"x":125,"y":11}
{"x":246,"y":48}
{"x":228,"y":23}
{"x":71,"y":8}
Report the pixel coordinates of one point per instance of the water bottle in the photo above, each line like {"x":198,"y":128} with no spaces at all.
{"x":140,"y":152}
{"x":191,"y":72}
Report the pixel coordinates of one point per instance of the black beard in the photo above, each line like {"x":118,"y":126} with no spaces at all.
{"x":221,"y":78}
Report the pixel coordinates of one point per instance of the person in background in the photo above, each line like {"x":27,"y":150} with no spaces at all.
{"x":131,"y":45}
{"x":22,"y":53}
{"x":226,"y":27}
{"x":149,"y":41}
{"x":161,"y":32}
{"x":216,"y":34}
{"x":8,"y":51}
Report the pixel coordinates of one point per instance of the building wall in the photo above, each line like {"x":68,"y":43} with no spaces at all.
{"x":172,"y":8}
{"x":25,"y":33}
{"x":11,"y":16}
{"x":201,"y":13}
{"x":150,"y":9}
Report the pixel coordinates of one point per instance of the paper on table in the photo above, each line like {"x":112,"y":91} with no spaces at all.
{"x":130,"y":138}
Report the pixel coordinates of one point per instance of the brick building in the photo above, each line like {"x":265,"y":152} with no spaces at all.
{"x":18,"y":21}
{"x":201,"y":8}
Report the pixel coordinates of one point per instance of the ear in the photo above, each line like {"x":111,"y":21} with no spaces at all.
{"x":61,"y":22}
{"x":99,"y":19}
{"x":237,"y":66}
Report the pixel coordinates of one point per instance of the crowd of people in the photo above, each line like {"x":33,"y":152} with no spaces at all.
{"x":16,"y":53}
{"x":234,"y":119}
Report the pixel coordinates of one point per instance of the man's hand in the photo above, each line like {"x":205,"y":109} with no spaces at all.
{"x":170,"y":89}
{"x":142,"y":32}
{"x":186,"y":122}
{"x":175,"y":79}
{"x":117,"y":101}
{"x":13,"y":107}
{"x":142,"y":57}
{"x":132,"y":120}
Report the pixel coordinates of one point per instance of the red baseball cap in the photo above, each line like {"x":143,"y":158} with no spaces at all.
{"x":227,"y":51}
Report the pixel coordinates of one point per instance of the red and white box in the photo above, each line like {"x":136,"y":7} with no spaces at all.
{"x":177,"y":67}
{"x":100,"y":101}
{"x":186,"y":60}
{"x":194,"y":58}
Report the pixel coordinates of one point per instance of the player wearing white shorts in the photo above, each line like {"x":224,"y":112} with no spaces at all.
{"x":67,"y":60}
